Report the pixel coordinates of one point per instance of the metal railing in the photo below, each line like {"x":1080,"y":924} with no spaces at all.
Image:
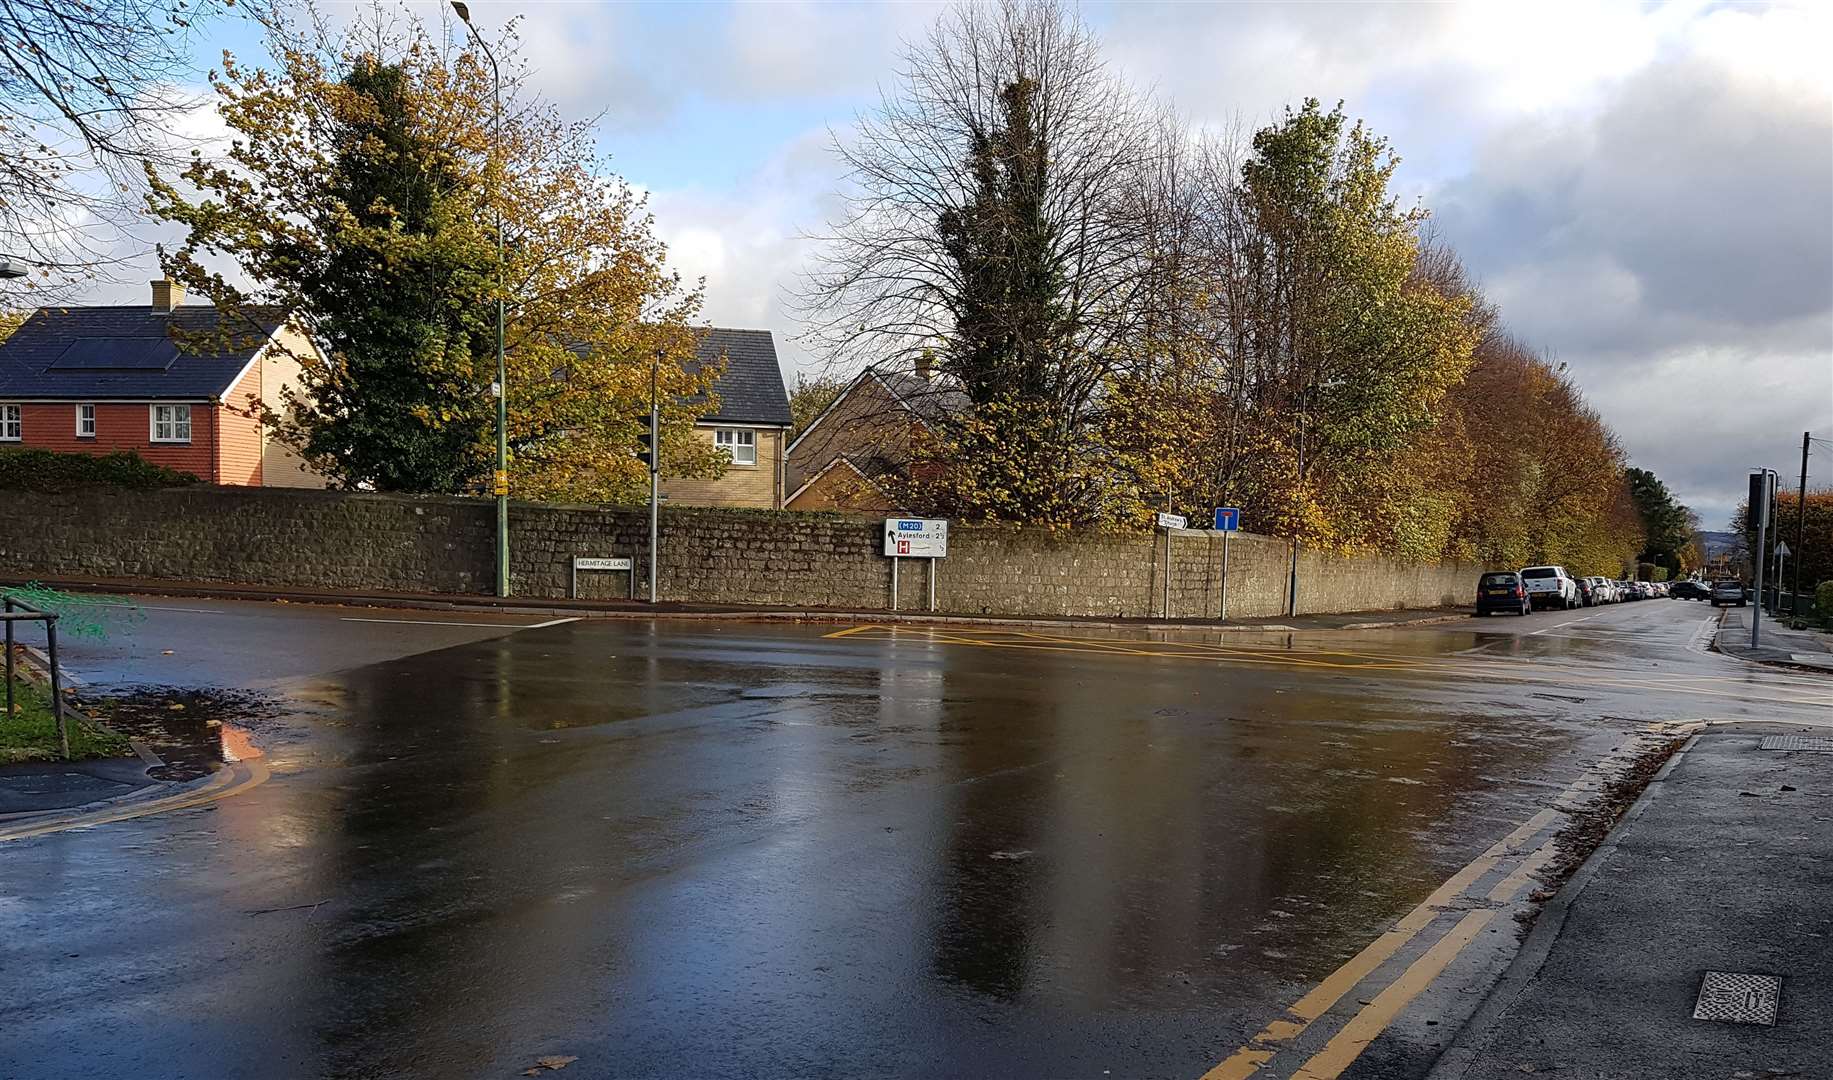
{"x":17,"y":610}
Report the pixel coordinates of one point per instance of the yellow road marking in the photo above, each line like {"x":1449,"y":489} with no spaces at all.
{"x":1243,"y":1062}
{"x":1346,"y":1045}
{"x":230,"y":781}
{"x":849,"y":631}
{"x":1510,"y":887}
{"x":1247,"y":1060}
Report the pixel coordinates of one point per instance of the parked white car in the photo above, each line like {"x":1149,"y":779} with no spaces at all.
{"x":1604,"y":591}
{"x":1550,"y":587}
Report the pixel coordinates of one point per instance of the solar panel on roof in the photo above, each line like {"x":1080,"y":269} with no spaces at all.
{"x":117,"y":354}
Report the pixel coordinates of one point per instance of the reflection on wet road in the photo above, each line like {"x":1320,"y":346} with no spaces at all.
{"x":752,"y":850}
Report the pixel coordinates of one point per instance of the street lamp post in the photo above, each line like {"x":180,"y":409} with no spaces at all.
{"x":500,"y":479}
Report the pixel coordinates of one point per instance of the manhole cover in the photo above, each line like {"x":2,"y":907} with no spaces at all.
{"x":1738,"y":998}
{"x":1796,"y":742}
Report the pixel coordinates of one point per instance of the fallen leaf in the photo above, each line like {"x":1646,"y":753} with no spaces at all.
{"x":176,"y":707}
{"x":552,"y":1062}
{"x":165,"y":652}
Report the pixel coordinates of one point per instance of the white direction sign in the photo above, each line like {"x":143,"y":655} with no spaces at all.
{"x":916,"y":538}
{"x":1172,"y":521}
{"x":1782,"y":549}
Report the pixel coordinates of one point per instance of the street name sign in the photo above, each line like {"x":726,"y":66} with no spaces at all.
{"x":916,"y":538}
{"x":1172,"y":521}
{"x":1228,"y":519}
{"x":599,"y":563}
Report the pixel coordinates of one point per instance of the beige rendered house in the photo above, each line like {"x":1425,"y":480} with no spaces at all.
{"x":751,"y":424}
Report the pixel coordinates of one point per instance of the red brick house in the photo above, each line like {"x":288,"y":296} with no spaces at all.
{"x":857,"y":453}
{"x":102,"y":379}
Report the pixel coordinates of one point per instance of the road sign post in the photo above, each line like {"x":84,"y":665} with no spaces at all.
{"x":1228,"y":522}
{"x":1782,"y":554}
{"x":1169,"y":521}
{"x":915,"y":538}
{"x":581,"y":562}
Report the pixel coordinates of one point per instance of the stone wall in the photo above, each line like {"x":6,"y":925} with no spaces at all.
{"x":361,"y":542}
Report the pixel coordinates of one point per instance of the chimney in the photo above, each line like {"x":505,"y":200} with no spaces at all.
{"x":926,"y":365}
{"x":167,"y":294}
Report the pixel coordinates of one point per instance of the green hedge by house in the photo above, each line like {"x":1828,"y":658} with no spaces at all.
{"x":27,"y":469}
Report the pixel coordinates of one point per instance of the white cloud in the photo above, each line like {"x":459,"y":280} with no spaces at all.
{"x":747,"y":242}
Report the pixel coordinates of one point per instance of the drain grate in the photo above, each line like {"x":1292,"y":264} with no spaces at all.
{"x":1796,"y":742}
{"x":1735,"y":997}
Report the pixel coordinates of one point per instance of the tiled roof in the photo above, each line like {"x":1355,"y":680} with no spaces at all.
{"x":751,"y":388}
{"x":934,"y":398}
{"x":122,"y":352}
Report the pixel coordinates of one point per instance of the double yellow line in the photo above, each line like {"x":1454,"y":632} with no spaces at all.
{"x":1361,"y":1029}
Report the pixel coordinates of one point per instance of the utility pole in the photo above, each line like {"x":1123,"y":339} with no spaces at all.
{"x":1801,"y":521}
{"x":500,"y":479}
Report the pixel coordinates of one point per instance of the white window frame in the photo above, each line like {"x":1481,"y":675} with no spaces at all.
{"x":12,"y":422}
{"x":177,"y":420}
{"x":733,"y":440}
{"x":85,"y":411}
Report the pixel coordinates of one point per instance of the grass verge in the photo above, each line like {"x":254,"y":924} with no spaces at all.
{"x":30,"y":733}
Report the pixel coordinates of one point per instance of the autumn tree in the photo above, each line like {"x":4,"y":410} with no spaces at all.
{"x":364,"y":195}
{"x":810,"y":398}
{"x":1667,"y":526}
{"x":986,"y":220}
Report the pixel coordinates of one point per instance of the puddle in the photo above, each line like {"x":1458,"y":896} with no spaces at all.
{"x":194,"y":731}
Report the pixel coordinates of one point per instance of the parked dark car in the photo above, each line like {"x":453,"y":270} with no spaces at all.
{"x":1587,"y":594}
{"x":1502,"y":592}
{"x":1690,"y":590}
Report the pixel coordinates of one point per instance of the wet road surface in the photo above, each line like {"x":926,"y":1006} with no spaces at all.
{"x":736,"y":849}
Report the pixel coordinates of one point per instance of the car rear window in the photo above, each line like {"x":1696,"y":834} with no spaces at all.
{"x":1498,"y":579}
{"x":1540,"y":571}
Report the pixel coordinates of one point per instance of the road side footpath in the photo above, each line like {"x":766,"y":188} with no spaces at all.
{"x":674,"y":609}
{"x":1721,"y":867}
{"x":1777,"y":644}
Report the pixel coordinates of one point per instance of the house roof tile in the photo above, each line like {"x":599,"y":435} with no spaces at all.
{"x":751,"y":387}
{"x":124,"y":352}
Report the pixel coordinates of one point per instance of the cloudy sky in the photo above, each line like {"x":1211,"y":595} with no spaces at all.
{"x":1645,"y":189}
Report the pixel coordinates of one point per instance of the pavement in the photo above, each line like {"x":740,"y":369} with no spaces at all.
{"x":714,"y":848}
{"x":1777,"y":643}
{"x":1607,"y":984}
{"x":635,"y":609}
{"x":32,"y":786}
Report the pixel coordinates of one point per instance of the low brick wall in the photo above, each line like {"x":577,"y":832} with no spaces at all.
{"x":356,"y":542}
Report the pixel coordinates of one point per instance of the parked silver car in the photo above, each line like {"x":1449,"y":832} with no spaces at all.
{"x":1728,"y":592}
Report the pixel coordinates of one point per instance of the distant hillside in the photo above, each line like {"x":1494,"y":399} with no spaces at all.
{"x":1717,"y":543}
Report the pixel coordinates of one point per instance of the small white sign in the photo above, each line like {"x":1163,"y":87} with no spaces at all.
{"x":916,"y":538}
{"x":600,"y":564}
{"x":1172,"y":521}
{"x":1782,"y":549}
